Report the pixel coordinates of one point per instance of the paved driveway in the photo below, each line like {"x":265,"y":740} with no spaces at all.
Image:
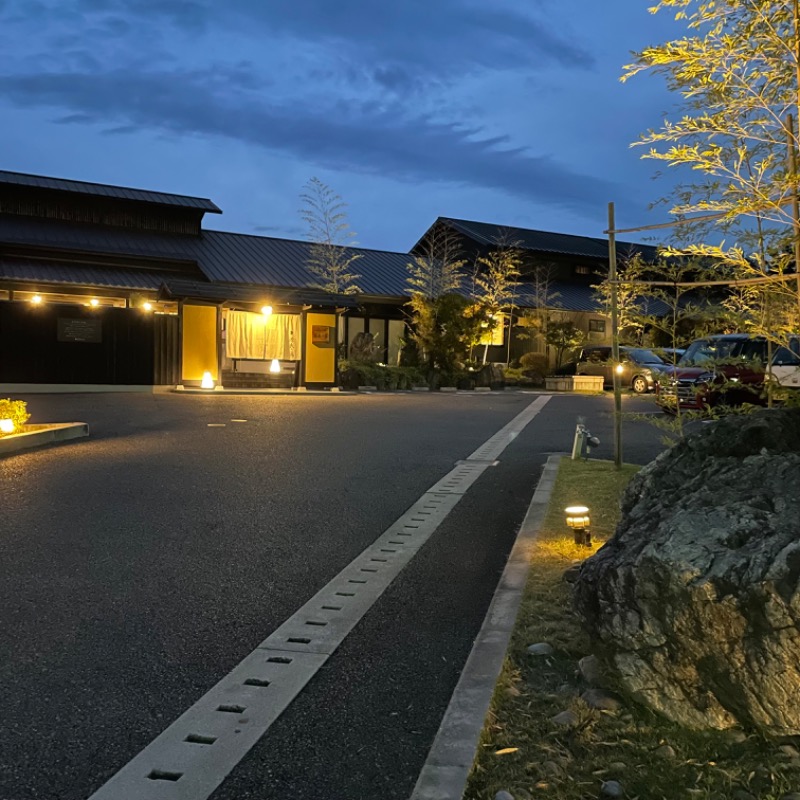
{"x":142,"y":564}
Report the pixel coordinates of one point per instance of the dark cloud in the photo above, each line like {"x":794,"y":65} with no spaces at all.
{"x":386,"y":143}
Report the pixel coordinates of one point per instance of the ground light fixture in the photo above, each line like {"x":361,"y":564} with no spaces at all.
{"x":207,"y":382}
{"x":275,"y":366}
{"x":6,"y":426}
{"x":578,"y":520}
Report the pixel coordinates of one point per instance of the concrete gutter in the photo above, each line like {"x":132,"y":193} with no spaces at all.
{"x":51,"y":434}
{"x":446,"y":770}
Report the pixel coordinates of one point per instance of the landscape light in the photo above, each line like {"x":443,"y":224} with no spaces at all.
{"x":275,"y":366}
{"x":266,"y":310}
{"x":36,"y":299}
{"x":6,"y":426}
{"x":207,"y":382}
{"x":578,"y":520}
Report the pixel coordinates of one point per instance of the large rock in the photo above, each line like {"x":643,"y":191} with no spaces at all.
{"x":695,"y":601}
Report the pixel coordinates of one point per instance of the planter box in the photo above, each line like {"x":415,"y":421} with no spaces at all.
{"x":574,"y":383}
{"x":37,"y":435}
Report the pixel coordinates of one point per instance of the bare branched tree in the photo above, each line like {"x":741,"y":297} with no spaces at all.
{"x":331,"y":257}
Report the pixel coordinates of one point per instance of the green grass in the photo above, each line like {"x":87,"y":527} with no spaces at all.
{"x":547,"y":761}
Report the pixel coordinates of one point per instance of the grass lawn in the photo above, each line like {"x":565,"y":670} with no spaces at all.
{"x":526,"y":754}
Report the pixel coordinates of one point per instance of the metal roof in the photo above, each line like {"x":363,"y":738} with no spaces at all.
{"x":221,"y":256}
{"x":53,"y":272}
{"x":105,"y":190}
{"x":173,"y":288}
{"x":485,"y":233}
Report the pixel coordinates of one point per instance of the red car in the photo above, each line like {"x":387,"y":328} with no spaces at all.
{"x":728,"y":369}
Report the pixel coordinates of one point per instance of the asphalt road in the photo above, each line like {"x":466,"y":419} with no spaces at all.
{"x":142,"y":564}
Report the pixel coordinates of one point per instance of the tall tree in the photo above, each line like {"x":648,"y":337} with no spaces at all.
{"x":738,"y":73}
{"x":495,"y":282}
{"x":331,"y":257}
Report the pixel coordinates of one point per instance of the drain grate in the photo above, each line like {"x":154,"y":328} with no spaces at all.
{"x":192,"y":757}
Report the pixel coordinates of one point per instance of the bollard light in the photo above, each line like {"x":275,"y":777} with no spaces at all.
{"x":275,"y":366}
{"x":578,"y":520}
{"x":6,"y":426}
{"x":207,"y":382}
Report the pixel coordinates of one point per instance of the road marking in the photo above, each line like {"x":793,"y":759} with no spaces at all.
{"x":193,"y":756}
{"x":216,"y":425}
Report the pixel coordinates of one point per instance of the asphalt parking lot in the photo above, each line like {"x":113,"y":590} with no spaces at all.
{"x":143,"y":563}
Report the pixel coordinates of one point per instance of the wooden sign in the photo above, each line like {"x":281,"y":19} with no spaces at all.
{"x":320,"y":334}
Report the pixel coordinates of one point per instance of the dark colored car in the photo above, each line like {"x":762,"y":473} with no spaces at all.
{"x":639,"y":366}
{"x":728,"y":369}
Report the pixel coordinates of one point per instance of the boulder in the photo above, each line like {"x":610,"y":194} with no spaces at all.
{"x":695,"y":600}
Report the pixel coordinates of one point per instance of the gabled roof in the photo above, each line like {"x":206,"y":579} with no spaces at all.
{"x":105,"y":190}
{"x":485,"y":233}
{"x":220,"y":256}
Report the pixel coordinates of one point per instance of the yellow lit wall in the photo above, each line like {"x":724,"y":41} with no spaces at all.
{"x":320,"y":357}
{"x":199,"y":342}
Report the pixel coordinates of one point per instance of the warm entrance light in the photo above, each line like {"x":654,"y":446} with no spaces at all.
{"x":207,"y":382}
{"x":266,"y":310}
{"x":147,"y":306}
{"x":275,"y":366}
{"x":94,"y":302}
{"x":36,"y":299}
{"x":6,"y":426}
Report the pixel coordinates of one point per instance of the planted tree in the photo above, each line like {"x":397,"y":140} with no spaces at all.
{"x":330,"y":257}
{"x":738,"y":73}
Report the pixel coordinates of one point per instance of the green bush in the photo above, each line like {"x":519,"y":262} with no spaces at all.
{"x":535,"y":367}
{"x":16,"y":411}
{"x":362,"y":373}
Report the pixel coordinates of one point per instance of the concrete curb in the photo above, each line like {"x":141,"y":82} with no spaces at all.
{"x":58,"y":432}
{"x":446,"y":770}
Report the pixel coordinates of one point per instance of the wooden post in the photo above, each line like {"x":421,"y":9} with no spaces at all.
{"x":790,"y":141}
{"x":612,"y":278}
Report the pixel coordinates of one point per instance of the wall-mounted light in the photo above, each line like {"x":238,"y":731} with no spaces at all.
{"x":94,"y":302}
{"x":578,"y":520}
{"x":207,"y":382}
{"x":6,"y":426}
{"x":275,"y":366}
{"x":147,"y":306}
{"x":36,"y":299}
{"x":266,"y":310}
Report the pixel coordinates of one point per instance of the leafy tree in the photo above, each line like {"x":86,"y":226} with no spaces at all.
{"x":438,"y":269}
{"x":563,"y":335}
{"x":738,"y":73}
{"x":495,"y":282}
{"x":541,"y":300}
{"x":632,"y":303}
{"x":330,"y":257}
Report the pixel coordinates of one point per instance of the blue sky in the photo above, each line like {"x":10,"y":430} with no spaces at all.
{"x":506,"y":111}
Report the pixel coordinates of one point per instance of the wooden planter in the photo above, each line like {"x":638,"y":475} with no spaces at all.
{"x":574,"y":383}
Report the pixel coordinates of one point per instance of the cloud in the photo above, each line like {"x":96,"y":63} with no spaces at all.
{"x":386,"y":142}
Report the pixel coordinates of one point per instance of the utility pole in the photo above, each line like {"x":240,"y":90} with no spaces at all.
{"x":790,"y":141}
{"x":612,"y":279}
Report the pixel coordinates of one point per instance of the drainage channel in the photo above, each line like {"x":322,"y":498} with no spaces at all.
{"x":192,"y":757}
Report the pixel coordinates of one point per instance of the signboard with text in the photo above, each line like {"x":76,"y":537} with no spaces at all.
{"x":79,"y":330}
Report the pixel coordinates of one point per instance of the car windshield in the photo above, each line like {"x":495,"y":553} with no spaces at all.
{"x":706,"y":350}
{"x":642,"y":356}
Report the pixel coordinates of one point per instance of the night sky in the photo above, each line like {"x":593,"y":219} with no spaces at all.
{"x":504,"y":111}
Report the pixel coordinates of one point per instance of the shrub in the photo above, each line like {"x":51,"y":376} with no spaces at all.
{"x":361,"y":373}
{"x":16,"y":411}
{"x":535,"y":367}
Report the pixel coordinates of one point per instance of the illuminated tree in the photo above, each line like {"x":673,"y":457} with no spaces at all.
{"x":737,"y":71}
{"x":330,"y":257}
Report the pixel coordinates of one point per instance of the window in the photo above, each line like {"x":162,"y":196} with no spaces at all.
{"x":582,"y":270}
{"x":597,"y":326}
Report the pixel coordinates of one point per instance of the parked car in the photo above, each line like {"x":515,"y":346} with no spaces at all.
{"x":727,"y":369}
{"x":639,"y":366}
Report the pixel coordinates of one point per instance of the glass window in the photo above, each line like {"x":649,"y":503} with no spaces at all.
{"x":643,"y":356}
{"x":783,"y":356}
{"x":597,"y":326}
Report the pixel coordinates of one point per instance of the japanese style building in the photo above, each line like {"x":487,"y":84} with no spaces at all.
{"x":119,"y":287}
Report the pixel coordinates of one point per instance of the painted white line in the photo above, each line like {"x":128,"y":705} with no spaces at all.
{"x":192,"y":757}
